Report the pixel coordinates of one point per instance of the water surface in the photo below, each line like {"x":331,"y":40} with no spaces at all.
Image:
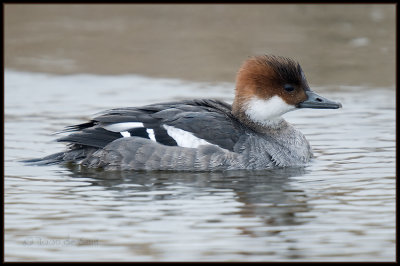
{"x":341,"y":207}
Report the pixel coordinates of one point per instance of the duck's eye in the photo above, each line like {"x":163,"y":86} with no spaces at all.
{"x":288,"y":88}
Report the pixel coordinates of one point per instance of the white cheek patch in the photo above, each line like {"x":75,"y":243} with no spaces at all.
{"x":268,"y":111}
{"x":120,"y":127}
{"x":184,"y":138}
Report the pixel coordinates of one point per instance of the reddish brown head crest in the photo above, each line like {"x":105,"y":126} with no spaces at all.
{"x":266,"y":76}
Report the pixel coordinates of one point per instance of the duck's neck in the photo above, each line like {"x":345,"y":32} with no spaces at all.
{"x":261,"y":115}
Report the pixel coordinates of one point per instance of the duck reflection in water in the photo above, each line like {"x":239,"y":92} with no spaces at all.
{"x":270,"y":196}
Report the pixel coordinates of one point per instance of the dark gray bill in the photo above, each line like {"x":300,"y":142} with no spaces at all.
{"x":318,"y":102}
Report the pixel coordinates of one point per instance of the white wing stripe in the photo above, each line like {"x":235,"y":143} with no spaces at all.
{"x":125,"y":134}
{"x":184,"y":138}
{"x":119,"y":127}
{"x":151,"y":134}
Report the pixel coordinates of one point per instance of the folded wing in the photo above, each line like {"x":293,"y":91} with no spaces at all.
{"x":185,"y":123}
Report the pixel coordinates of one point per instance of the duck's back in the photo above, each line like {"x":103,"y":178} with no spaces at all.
{"x":174,"y":135}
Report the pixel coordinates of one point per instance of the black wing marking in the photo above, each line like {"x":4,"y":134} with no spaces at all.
{"x":210,"y":120}
{"x":162,"y":137}
{"x":93,"y":137}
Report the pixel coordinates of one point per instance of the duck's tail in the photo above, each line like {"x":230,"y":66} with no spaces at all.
{"x":48,"y":160}
{"x":75,"y":155}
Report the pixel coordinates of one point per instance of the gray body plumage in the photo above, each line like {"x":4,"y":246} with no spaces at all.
{"x":252,"y":152}
{"x":231,"y":144}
